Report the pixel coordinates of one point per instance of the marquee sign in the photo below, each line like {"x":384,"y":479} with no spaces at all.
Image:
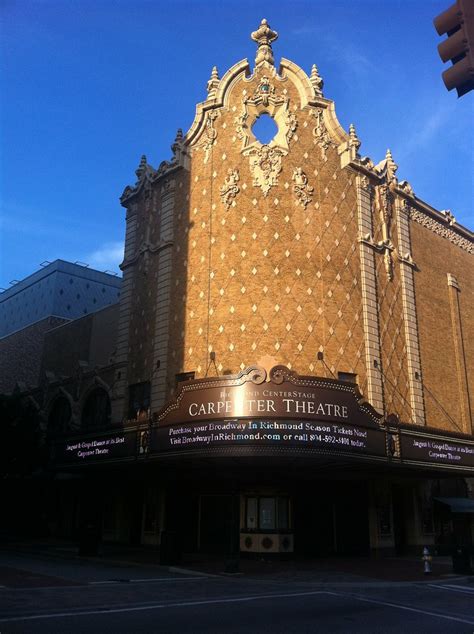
{"x":275,"y":410}
{"x":98,"y":448}
{"x":424,"y":448}
{"x":274,"y":413}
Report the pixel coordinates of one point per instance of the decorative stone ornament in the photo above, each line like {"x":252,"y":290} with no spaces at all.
{"x":213,"y":83}
{"x":320,"y":132}
{"x":448,"y":216}
{"x":385,"y":205}
{"x":392,"y":167}
{"x":141,"y":169}
{"x":263,"y":91}
{"x":210,"y":134}
{"x":316,"y":81}
{"x":230,"y":189}
{"x":354,"y":141}
{"x":264,"y":36}
{"x":387,"y":168}
{"x":265,"y":166}
{"x":301,"y":187}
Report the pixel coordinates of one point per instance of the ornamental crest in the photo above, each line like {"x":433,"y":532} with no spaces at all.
{"x":265,"y":165}
{"x":301,"y":188}
{"x":265,"y":92}
{"x":230,"y":189}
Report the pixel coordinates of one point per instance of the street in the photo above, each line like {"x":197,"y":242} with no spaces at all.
{"x":72,"y":597}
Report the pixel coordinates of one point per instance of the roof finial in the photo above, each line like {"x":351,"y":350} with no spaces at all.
{"x":316,"y":80}
{"x":141,"y":169}
{"x":354,"y":140}
{"x":264,"y":36}
{"x":391,"y":165}
{"x":213,"y":83}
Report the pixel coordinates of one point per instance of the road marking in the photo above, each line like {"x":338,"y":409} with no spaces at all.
{"x":160,"y":606}
{"x":403,"y":607}
{"x":154,"y":579}
{"x":451,"y":587}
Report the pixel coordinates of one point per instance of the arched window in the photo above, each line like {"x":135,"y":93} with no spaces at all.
{"x":59,"y":415}
{"x":96,"y":410}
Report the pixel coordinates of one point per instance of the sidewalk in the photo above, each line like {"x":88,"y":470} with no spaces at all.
{"x":329,"y":570}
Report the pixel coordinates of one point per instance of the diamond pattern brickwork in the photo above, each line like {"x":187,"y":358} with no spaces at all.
{"x":392,"y":336}
{"x":268,"y":276}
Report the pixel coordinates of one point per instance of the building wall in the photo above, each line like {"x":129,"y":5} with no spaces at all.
{"x":89,"y":341}
{"x":21,"y":355}
{"x":62,"y":289}
{"x":289,"y":252}
{"x":269,"y":276}
{"x":445,"y":301}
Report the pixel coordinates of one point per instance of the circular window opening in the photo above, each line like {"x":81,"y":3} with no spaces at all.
{"x":265,"y":129}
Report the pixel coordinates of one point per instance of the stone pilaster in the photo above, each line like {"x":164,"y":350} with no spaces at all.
{"x":119,"y":401}
{"x":409,"y":314}
{"x":369,"y":294}
{"x":162,"y":324}
{"x":454,"y":291}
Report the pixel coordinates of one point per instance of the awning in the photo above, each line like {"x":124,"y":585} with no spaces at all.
{"x":458,"y":505}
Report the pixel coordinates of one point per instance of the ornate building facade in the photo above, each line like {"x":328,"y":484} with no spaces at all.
{"x":293,"y":367}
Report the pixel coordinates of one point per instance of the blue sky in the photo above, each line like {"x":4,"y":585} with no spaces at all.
{"x":88,"y":86}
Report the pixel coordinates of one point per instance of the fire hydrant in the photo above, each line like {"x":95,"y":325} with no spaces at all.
{"x":426,"y":561}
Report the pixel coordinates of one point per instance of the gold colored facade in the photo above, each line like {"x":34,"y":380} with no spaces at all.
{"x":266,"y":254}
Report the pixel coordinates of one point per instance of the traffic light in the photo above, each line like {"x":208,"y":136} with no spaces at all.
{"x":458,"y":23}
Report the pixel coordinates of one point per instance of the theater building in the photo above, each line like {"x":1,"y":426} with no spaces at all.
{"x":294,"y":360}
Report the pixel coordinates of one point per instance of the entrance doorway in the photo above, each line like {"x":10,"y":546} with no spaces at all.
{"x":218,"y":524}
{"x":399,"y":519}
{"x":332,"y":519}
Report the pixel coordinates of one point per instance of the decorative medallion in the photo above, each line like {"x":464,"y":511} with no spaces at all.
{"x":265,"y":166}
{"x":301,"y":187}
{"x":264,"y":91}
{"x":230,"y":189}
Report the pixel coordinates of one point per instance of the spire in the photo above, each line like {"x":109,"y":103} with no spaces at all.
{"x":391,"y":165}
{"x":213,"y":83}
{"x":177,"y":145}
{"x":316,"y":80}
{"x":141,"y":169}
{"x":264,"y":36}
{"x":353,"y":138}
